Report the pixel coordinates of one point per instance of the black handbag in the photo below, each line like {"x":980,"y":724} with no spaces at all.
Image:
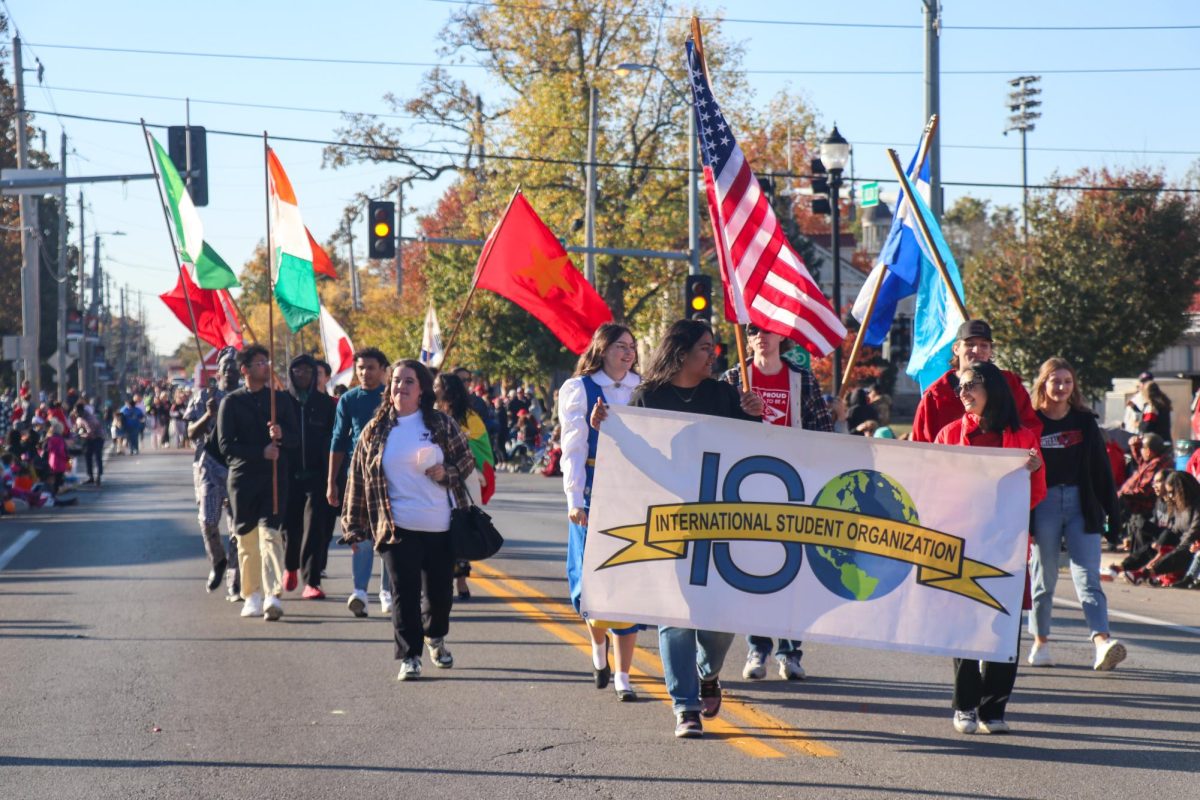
{"x":473,"y":537}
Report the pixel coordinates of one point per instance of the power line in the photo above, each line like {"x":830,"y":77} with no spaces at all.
{"x":841,"y":72}
{"x":237,"y":104}
{"x":815,"y":24}
{"x":580,"y":163}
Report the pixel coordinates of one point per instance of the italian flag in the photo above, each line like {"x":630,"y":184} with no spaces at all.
{"x":291,"y":252}
{"x":209,"y":270}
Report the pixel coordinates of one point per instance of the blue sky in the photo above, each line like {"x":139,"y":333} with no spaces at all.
{"x":1095,"y":119}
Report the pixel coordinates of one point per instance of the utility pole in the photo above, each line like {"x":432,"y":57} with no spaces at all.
{"x":399,"y":238}
{"x":355,"y":300}
{"x":590,"y":208}
{"x":124,"y":341}
{"x":60,"y":365}
{"x":81,"y":369}
{"x":31,"y":321}
{"x":933,"y":32}
{"x":1021,"y":101}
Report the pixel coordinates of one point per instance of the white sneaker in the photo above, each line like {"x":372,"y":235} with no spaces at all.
{"x":790,"y":669}
{"x":439,"y":654}
{"x":1109,"y":653}
{"x":994,"y":726}
{"x":1039,"y":655}
{"x":253,"y":607}
{"x":756,"y":666}
{"x":385,"y":602}
{"x":358,"y":603}
{"x":273,"y":609}
{"x":966,"y":721}
{"x":410,"y":669}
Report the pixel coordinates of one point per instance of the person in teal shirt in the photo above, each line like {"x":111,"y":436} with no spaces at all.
{"x":355,"y":409}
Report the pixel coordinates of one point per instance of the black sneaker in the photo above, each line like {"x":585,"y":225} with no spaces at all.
{"x":710,"y":697}
{"x":688,"y":725}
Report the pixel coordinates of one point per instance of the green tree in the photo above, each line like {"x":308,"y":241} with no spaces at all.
{"x":1104,"y":281}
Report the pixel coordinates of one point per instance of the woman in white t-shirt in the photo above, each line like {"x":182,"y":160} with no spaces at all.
{"x":603,"y":375}
{"x":407,"y":472}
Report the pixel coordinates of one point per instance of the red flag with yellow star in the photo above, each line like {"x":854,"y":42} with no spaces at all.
{"x":523,"y":261}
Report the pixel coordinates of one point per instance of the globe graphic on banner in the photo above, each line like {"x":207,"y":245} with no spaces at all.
{"x":850,"y":574}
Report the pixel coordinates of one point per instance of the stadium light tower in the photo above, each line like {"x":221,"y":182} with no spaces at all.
{"x":1021,"y":102}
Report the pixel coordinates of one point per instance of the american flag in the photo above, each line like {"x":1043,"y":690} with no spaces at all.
{"x":766,"y":282}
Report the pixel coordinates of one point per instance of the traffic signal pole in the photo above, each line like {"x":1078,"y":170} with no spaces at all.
{"x":31,"y":318}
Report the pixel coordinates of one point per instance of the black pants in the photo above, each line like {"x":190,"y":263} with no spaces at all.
{"x":985,"y":686}
{"x":414,"y":553}
{"x":308,"y":524}
{"x":93,"y":452}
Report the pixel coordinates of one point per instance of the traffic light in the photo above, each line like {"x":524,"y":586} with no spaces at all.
{"x":820,"y":187}
{"x":720,"y":357}
{"x":381,"y":216}
{"x":698,"y":298}
{"x":177,"y":149}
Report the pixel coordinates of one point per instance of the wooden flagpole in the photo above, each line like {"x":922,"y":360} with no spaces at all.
{"x":483,"y":259}
{"x":926,"y":138}
{"x":925,"y":234}
{"x":174,"y":245}
{"x":739,"y":333}
{"x":270,"y":318}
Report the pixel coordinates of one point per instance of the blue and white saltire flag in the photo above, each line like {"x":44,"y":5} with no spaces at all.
{"x":431,"y":340}
{"x":937,"y":319}
{"x":901,"y":262}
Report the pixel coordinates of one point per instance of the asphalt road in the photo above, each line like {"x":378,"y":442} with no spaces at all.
{"x":120,"y":677}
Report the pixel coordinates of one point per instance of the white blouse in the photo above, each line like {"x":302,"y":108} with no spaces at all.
{"x":573,"y":416}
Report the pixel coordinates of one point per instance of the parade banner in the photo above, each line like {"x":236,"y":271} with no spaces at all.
{"x":725,"y":525}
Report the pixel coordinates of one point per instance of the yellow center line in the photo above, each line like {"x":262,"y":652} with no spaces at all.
{"x":649,"y":684}
{"x":555,"y":616}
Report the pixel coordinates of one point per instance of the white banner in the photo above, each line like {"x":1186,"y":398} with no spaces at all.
{"x":725,"y":525}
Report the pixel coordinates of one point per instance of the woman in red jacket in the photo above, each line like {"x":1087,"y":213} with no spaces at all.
{"x":982,"y":688}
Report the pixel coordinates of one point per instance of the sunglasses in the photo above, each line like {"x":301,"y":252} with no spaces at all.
{"x":969,"y":385}
{"x":753,"y":330}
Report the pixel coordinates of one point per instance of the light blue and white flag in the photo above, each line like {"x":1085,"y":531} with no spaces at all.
{"x":901,"y":261}
{"x":937,"y":319}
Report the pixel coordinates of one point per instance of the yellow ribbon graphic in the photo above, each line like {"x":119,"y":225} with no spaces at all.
{"x":938,"y":556}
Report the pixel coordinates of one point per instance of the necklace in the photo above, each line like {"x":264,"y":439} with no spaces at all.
{"x":679,"y":394}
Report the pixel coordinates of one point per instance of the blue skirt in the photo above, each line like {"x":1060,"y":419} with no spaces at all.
{"x":576,"y":536}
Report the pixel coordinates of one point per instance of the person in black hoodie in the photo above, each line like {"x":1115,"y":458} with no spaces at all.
{"x":255,"y":449}
{"x":309,"y":519}
{"x":1081,"y":499}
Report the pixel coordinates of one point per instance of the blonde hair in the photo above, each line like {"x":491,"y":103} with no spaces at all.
{"x":1052,"y":365}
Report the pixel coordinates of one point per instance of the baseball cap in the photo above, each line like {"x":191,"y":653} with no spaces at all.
{"x":1146,"y":377}
{"x":974,"y":328}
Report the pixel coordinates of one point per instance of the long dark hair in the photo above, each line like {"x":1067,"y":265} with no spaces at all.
{"x":667,"y":359}
{"x":1000,"y":412}
{"x":1185,"y":492}
{"x":1161,"y":403}
{"x":451,"y":396}
{"x":385,"y":416}
{"x":592,"y":360}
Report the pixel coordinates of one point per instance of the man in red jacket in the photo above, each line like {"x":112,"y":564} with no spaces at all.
{"x":940,"y":405}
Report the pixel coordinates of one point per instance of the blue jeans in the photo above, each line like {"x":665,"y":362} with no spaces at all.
{"x":362,"y":562}
{"x":689,"y":655}
{"x":1193,"y":571}
{"x":1058,"y":517}
{"x":786,"y":647}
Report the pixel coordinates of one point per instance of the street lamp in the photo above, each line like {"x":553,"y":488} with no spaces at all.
{"x":693,"y":165}
{"x":835,"y":153}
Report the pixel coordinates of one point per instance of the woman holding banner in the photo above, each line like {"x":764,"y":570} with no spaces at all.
{"x":679,"y":378}
{"x":603,"y":375}
{"x":991,"y":419}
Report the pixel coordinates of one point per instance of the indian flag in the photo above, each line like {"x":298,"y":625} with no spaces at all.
{"x":209,"y":270}
{"x":291,"y":252}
